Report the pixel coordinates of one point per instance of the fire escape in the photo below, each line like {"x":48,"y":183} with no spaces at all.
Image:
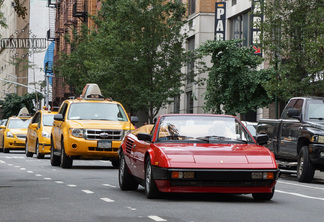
{"x":79,"y":10}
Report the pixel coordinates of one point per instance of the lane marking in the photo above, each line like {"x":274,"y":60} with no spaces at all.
{"x":38,"y":175}
{"x":23,"y":168}
{"x":30,"y":171}
{"x":301,"y":185}
{"x":47,"y":178}
{"x":131,"y":208}
{"x":107,"y":199}
{"x":71,"y":185}
{"x":108,"y":185}
{"x":300,"y":195}
{"x":156,"y":218}
{"x":59,"y":182}
{"x":16,"y":166}
{"x":1,"y":161}
{"x":87,"y":191}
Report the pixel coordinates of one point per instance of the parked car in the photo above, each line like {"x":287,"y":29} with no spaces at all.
{"x":13,"y":134}
{"x":38,"y":139}
{"x":197,"y":153}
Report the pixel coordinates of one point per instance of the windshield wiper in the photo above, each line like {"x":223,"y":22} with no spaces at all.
{"x":210,"y":138}
{"x":319,"y":118}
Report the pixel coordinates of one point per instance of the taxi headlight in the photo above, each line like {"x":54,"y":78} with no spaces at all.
{"x":125,"y":132}
{"x":318,"y":139}
{"x":77,"y":132}
{"x":45,"y":134}
{"x":9,"y":134}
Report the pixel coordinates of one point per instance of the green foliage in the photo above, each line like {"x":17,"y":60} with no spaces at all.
{"x":234,"y":84}
{"x":13,"y":103}
{"x":293,"y":39}
{"x":135,"y":54}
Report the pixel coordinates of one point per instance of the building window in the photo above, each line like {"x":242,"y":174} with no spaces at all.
{"x":192,"y":7}
{"x":191,"y":63}
{"x":233,"y":2}
{"x":240,"y":28}
{"x":189,"y":102}
{"x":176,"y":105}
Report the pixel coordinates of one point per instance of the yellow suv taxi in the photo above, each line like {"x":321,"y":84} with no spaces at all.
{"x":88,"y":128}
{"x":13,"y":134}
{"x":38,"y":139}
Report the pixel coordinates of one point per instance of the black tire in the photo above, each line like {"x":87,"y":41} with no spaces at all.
{"x":305,"y":169}
{"x":66,"y":161}
{"x":5,"y":150}
{"x":151,"y":190}
{"x":55,"y":160}
{"x":125,"y":179}
{"x":2,"y":145}
{"x":38,"y":154}
{"x":115,"y":163}
{"x":263,"y":196}
{"x":28,"y":154}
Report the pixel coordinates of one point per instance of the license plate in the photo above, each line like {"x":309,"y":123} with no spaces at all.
{"x":104,"y":144}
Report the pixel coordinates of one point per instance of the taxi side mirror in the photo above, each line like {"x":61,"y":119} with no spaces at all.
{"x":2,"y":127}
{"x":58,"y":117}
{"x":34,"y":125}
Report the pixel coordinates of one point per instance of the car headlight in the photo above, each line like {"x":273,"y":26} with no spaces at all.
{"x":77,"y":132}
{"x":9,"y":134}
{"x":45,"y":134}
{"x":318,"y":139}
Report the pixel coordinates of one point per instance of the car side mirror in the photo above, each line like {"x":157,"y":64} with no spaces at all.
{"x":134,"y":119}
{"x":34,"y":125}
{"x":2,"y":127}
{"x":144,"y":136}
{"x":58,"y":117}
{"x":262,"y":139}
{"x":293,"y":113}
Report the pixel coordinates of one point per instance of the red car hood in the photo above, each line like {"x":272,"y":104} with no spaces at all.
{"x":227,"y":156}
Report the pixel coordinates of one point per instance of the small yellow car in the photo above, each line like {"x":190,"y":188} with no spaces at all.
{"x":13,"y":134}
{"x":38,"y":139}
{"x":90,"y":127}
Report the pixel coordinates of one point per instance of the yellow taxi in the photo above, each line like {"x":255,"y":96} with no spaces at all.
{"x":13,"y":135}
{"x":89,"y":127}
{"x":38,"y":139}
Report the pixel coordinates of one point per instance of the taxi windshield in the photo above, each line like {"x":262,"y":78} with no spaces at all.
{"x":18,"y":123}
{"x":97,"y":111}
{"x":203,"y":128}
{"x":48,"y":120}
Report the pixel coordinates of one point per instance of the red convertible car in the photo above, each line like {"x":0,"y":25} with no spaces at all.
{"x":197,"y":153}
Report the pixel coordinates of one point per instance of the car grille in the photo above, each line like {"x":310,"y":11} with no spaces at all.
{"x":229,"y":183}
{"x":97,"y":134}
{"x":129,"y":145}
{"x":21,"y":136}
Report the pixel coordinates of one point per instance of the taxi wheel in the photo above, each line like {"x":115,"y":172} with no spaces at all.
{"x":151,"y":190}
{"x":115,"y":163}
{"x":55,"y":160}
{"x":28,"y":154}
{"x":66,"y":161}
{"x":38,"y":154}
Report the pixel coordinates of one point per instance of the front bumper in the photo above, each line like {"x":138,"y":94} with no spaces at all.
{"x":315,"y":151}
{"x":214,"y":181}
{"x":80,"y":147}
{"x":15,"y":143}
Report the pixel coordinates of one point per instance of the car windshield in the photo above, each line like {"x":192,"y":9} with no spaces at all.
{"x":48,"y":119}
{"x":315,"y":109}
{"x":202,"y":128}
{"x":18,"y":123}
{"x":97,"y":111}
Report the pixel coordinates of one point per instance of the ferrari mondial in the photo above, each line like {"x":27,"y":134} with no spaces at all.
{"x":197,"y":153}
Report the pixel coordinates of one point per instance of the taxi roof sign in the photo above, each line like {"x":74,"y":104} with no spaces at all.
{"x":23,"y":112}
{"x":91,"y":91}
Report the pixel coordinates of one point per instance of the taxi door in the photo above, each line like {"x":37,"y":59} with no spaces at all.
{"x":57,"y":125}
{"x":32,"y":132}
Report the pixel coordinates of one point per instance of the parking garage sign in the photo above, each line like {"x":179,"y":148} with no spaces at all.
{"x":256,"y":20}
{"x":220,"y":18}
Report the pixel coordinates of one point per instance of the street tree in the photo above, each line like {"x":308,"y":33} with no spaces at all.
{"x":293,"y":39}
{"x":12,"y":104}
{"x":234,"y":83}
{"x":136,"y":53}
